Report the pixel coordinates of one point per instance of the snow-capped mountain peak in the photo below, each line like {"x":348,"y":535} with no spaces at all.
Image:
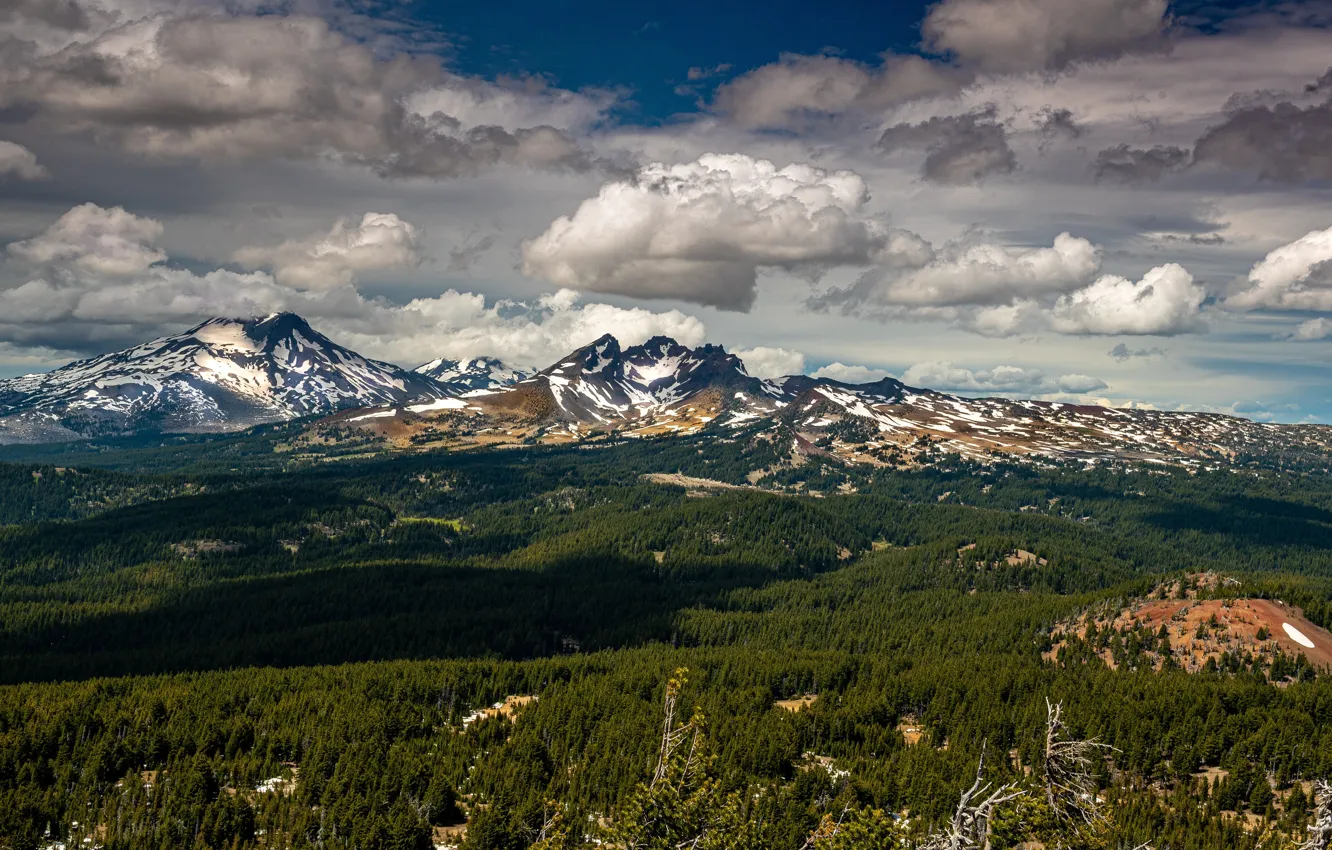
{"x":476,"y":373}
{"x":223,"y":374}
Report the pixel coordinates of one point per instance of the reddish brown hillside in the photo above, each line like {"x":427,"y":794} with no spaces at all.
{"x":1194,"y":633}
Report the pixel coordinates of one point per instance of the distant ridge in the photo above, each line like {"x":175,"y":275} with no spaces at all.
{"x":230,"y":374}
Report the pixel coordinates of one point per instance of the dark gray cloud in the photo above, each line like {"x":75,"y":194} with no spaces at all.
{"x":960,"y":149}
{"x":1057,"y":123}
{"x":970,"y":37}
{"x":464,"y":256}
{"x":1193,"y":238}
{"x":233,"y":89}
{"x":798,"y":89}
{"x":1284,"y":142}
{"x":58,"y":14}
{"x":1127,"y":164}
{"x":1123,"y":353}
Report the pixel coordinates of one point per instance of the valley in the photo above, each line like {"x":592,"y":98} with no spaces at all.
{"x":349,"y":623}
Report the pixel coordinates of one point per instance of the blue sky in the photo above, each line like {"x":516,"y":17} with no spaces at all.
{"x":1108,"y":201}
{"x":649,"y":47}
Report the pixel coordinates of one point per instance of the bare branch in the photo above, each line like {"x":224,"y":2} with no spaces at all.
{"x":1320,"y":832}
{"x":1070,"y":786}
{"x":671,"y":737}
{"x":828,"y":828}
{"x":970,"y":827}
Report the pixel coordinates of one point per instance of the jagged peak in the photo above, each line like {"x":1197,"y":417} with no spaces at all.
{"x":281,"y":324}
{"x":604,"y":346}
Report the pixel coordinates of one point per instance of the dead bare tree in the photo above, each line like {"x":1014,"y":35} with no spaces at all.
{"x":827,"y":829}
{"x":671,"y":736}
{"x":1320,"y":832}
{"x":970,"y":826}
{"x":1070,"y":786}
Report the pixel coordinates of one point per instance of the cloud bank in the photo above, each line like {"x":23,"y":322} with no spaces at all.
{"x":1000,"y":379}
{"x":96,"y":279}
{"x":228,"y":89}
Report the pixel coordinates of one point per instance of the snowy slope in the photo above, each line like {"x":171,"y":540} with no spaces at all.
{"x":662,"y":388}
{"x":478,"y":373}
{"x":224,"y":374}
{"x":602,"y":383}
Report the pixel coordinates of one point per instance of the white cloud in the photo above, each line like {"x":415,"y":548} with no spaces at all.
{"x":1021,"y":35}
{"x":459,"y":325}
{"x":998,"y":290}
{"x":764,"y":362}
{"x":983,"y":273}
{"x":1296,"y":276}
{"x":91,"y":240}
{"x":20,"y":162}
{"x":101,"y":283}
{"x":700,"y":231}
{"x":850,"y":374}
{"x":1313,"y":329}
{"x":1000,"y":379}
{"x":379,"y":241}
{"x":1165,"y":302}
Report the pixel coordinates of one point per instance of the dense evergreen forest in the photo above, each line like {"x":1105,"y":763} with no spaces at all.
{"x":206,"y":643}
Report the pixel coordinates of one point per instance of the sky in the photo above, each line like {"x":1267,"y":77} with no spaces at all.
{"x":1122,"y":202}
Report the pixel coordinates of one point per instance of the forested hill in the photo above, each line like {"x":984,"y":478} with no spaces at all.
{"x":201,"y":651}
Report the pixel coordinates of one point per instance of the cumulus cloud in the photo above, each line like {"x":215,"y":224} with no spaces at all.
{"x":95,"y":281}
{"x":1296,"y":276}
{"x":379,"y":241}
{"x":963,"y":273}
{"x":1024,"y":35}
{"x":764,"y":362}
{"x":1127,"y":164}
{"x":20,"y":162}
{"x":700,"y":231}
{"x":91,"y":240}
{"x":1165,"y":302}
{"x":1262,"y":411}
{"x":838,"y":371}
{"x":1123,"y":353}
{"x":959,"y":149}
{"x":227,"y":89}
{"x":459,"y":325}
{"x":1312,"y":329}
{"x":998,"y":290}
{"x":1013,"y":380}
{"x":798,"y":89}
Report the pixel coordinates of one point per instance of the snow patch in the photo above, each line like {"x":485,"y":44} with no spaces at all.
{"x":1298,"y":636}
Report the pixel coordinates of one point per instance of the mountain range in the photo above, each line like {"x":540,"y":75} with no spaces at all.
{"x":230,"y":374}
